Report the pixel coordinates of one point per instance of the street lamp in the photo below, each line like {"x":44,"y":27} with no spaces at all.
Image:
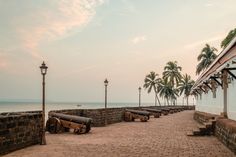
{"x":43,"y":68}
{"x":106,"y":84}
{"x":139,"y":89}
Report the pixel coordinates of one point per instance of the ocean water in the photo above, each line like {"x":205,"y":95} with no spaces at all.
{"x":36,"y":106}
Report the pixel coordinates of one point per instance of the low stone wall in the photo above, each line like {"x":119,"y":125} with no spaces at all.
{"x":202,"y":117}
{"x":225,"y":131}
{"x":19,"y":130}
{"x":114,"y":115}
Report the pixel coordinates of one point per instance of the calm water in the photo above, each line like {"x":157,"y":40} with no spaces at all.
{"x":32,"y":106}
{"x":36,"y":106}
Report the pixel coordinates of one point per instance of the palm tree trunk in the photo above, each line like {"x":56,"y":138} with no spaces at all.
{"x":187,"y":100}
{"x":168,"y":102}
{"x":155,"y":100}
{"x":157,"y":97}
{"x":158,"y":100}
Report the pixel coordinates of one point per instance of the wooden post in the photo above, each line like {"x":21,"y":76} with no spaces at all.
{"x":225,"y":87}
{"x":213,"y":86}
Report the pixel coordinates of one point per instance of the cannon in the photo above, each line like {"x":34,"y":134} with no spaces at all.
{"x":156,"y":113}
{"x":171,"y":110}
{"x":165,"y":111}
{"x":59,"y":122}
{"x":131,"y":115}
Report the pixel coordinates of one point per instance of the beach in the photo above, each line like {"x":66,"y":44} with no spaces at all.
{"x":165,"y":136}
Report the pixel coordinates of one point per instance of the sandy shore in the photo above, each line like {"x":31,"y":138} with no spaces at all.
{"x":162,"y":137}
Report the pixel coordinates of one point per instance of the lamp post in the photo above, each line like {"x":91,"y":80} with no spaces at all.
{"x":106,"y":84}
{"x":139,"y":89}
{"x":43,"y":68}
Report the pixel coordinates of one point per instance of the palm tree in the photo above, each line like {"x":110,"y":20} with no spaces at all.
{"x":167,"y":91}
{"x":185,"y":86}
{"x":205,"y":58}
{"x":172,"y":73}
{"x":231,"y":35}
{"x":151,"y":82}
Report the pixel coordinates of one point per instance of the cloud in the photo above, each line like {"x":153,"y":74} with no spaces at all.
{"x":58,"y":19}
{"x":202,"y":42}
{"x":139,"y":39}
{"x":208,"y":4}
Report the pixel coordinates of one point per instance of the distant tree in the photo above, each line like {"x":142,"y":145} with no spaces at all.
{"x":205,"y":58}
{"x":167,"y":91}
{"x":164,"y":88}
{"x":228,"y":38}
{"x":172,"y":73}
{"x":185,"y":86}
{"x":151,"y":82}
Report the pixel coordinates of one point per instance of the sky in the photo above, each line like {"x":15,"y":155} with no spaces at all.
{"x":85,"y":41}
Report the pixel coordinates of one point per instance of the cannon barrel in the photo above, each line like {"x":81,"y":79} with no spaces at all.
{"x":144,"y":113}
{"x":152,"y":110}
{"x":165,"y":109}
{"x":72,"y":118}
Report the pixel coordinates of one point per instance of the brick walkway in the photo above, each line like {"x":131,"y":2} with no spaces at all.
{"x":162,"y":137}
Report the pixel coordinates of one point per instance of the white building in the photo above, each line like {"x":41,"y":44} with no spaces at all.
{"x":216,"y":86}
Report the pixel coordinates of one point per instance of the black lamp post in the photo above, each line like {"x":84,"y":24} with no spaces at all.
{"x":139,"y":89}
{"x":106,"y":84}
{"x":43,"y":68}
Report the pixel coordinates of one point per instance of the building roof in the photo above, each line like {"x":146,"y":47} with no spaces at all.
{"x":219,"y":63}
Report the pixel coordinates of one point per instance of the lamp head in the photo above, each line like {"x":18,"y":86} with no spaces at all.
{"x":106,"y":82}
{"x":43,"y":68}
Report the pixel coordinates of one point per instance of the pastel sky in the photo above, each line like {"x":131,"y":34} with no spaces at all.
{"x":85,"y":41}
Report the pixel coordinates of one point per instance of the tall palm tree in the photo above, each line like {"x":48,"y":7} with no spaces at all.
{"x":167,"y":91}
{"x":231,"y":35}
{"x":205,"y":58}
{"x":172,"y":73}
{"x":151,"y":82}
{"x":185,"y":86}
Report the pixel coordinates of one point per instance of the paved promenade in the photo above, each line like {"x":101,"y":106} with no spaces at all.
{"x":162,"y":137}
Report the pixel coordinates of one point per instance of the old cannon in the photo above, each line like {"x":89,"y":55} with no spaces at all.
{"x":59,"y":122}
{"x":165,"y":111}
{"x":156,"y":113}
{"x":172,"y":110}
{"x":131,"y":115}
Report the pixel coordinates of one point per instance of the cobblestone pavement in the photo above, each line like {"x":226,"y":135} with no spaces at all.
{"x":161,"y":137}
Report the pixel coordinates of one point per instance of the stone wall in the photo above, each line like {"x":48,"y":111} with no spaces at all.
{"x":114,"y":115}
{"x":226,"y":132}
{"x":19,"y":130}
{"x":202,"y":117}
{"x":224,"y":129}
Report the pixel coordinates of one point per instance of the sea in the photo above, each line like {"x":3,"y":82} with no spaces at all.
{"x":50,"y":106}
{"x":37,"y":106}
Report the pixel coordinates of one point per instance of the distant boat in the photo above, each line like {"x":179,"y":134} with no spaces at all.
{"x":78,"y":105}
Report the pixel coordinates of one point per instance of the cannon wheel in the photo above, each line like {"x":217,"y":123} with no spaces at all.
{"x":128,"y":117}
{"x":80,"y":130}
{"x":144,"y":119}
{"x":53,"y":125}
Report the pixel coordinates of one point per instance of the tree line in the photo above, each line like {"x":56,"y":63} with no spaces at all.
{"x":173,"y":83}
